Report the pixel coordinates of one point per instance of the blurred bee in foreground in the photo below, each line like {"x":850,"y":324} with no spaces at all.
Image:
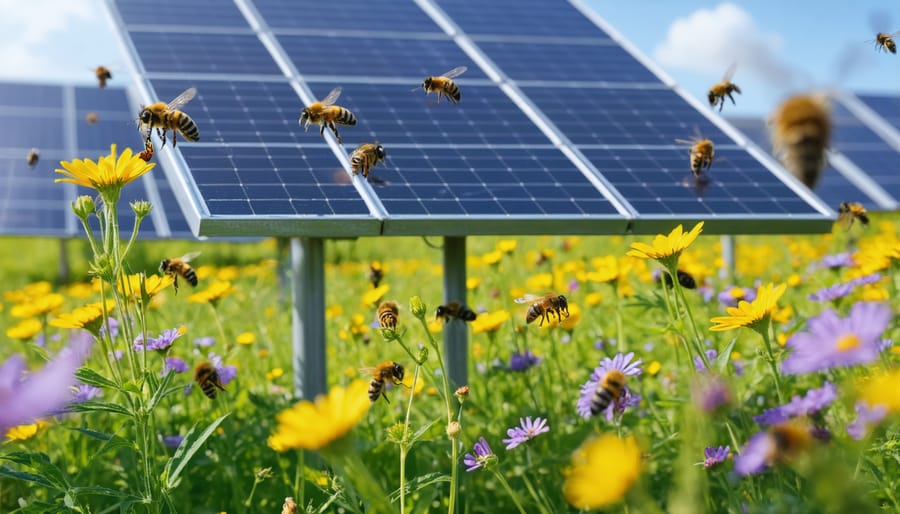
{"x":207,"y":378}
{"x":848,"y":212}
{"x":366,"y":156}
{"x":443,"y":85}
{"x":719,"y":91}
{"x":543,"y":306}
{"x":33,"y":157}
{"x":325,"y":114}
{"x":686,"y":280}
{"x":387,"y":314}
{"x":800,"y":130}
{"x":454,"y":310}
{"x":885,"y":42}
{"x":147,"y":153}
{"x":92,"y":118}
{"x":180,"y":267}
{"x":386,"y":371}
{"x":103,"y":74}
{"x":165,"y":117}
{"x":701,"y":154}
{"x":608,"y":391}
{"x":376,"y":273}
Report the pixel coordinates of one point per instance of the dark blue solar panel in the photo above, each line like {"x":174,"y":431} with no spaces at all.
{"x":484,"y":182}
{"x":346,"y":15}
{"x":30,"y":203}
{"x":881,"y":163}
{"x":203,"y":53}
{"x":181,"y":13}
{"x":22,"y":129}
{"x":114,"y":125}
{"x":622,"y":116}
{"x":376,"y":56}
{"x":888,"y":107}
{"x":35,"y":95}
{"x":273,"y":181}
{"x":177,"y":223}
{"x":567,"y":62}
{"x":520,"y":17}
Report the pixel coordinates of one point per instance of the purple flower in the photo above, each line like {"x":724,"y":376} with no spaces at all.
{"x":866,"y":280}
{"x":832,"y":293}
{"x":706,"y":292}
{"x":226,"y":373}
{"x":710,"y":393}
{"x":83,"y":393}
{"x":885,"y":345}
{"x":814,"y":401}
{"x":841,"y":260}
{"x":832,"y":341}
{"x":710,"y":356}
{"x":111,"y":327}
{"x":755,"y":456}
{"x":161,"y":343}
{"x":173,"y":441}
{"x":866,"y":417}
{"x":174,"y":364}
{"x":204,"y":342}
{"x":523,"y":361}
{"x":622,"y":363}
{"x":483,"y":452}
{"x":715,"y":455}
{"x":526,"y":431}
{"x":117,"y":354}
{"x":732,"y":294}
{"x":25,"y":397}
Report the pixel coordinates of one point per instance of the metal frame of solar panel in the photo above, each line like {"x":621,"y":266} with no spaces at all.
{"x":52,"y":119}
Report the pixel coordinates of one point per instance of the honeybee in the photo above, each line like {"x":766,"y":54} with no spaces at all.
{"x":376,"y":273}
{"x":92,"y":118}
{"x":165,"y":117}
{"x":388,"y":313}
{"x":848,"y":212}
{"x":366,"y":156}
{"x":609,"y":389}
{"x":326,"y":114}
{"x":207,"y":378}
{"x":456,"y":310}
{"x":789,"y":439}
{"x":686,"y":280}
{"x":702,"y":153}
{"x":147,"y":154}
{"x":800,"y":130}
{"x":886,"y":42}
{"x":387,"y":370}
{"x":719,"y":91}
{"x":180,"y":266}
{"x":443,"y":85}
{"x":103,"y":74}
{"x":543,"y":306}
{"x":33,"y":157}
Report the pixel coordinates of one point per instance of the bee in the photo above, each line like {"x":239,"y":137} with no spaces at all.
{"x":388,"y":370}
{"x":701,"y":155}
{"x":147,"y":154}
{"x":787,"y":440}
{"x":207,"y":378}
{"x":719,"y":91}
{"x":686,"y":280}
{"x":443,"y":85}
{"x":103,"y":74}
{"x":456,"y":310}
{"x":33,"y":157}
{"x":848,"y":212}
{"x":800,"y":130}
{"x":167,"y":117}
{"x":326,"y":114}
{"x":543,"y":306}
{"x":92,"y":118}
{"x":376,"y":273}
{"x":366,"y":156}
{"x":387,"y":314}
{"x":176,"y":267}
{"x":609,"y":389}
{"x":886,"y":42}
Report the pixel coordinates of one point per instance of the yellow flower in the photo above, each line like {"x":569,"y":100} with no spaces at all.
{"x":748,"y":314}
{"x":794,"y":280}
{"x":492,"y":257}
{"x":435,"y":326}
{"x":246,"y":338}
{"x":262,"y":353}
{"x":153,"y":284}
{"x":873,"y":293}
{"x":540,"y":282}
{"x":80,"y":291}
{"x":783,"y":314}
{"x":478,"y":350}
{"x":567,"y":323}
{"x":666,"y":248}
{"x":25,"y":329}
{"x":489,"y":322}
{"x":227,"y":273}
{"x":275,"y":373}
{"x":110,"y":172}
{"x":606,"y":269}
{"x":592,"y":299}
{"x":591,"y":482}
{"x":408,"y":382}
{"x":23,"y":432}
{"x":313,"y":426}
{"x":506,"y":245}
{"x":472,"y":283}
{"x":653,"y":368}
{"x":333,"y":311}
{"x":215,"y":292}
{"x":372,"y":296}
{"x":89,"y":317}
{"x":882,"y":390}
{"x":28,"y":292}
{"x":38,"y":306}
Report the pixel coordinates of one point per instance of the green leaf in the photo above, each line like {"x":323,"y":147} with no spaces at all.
{"x":112,"y":441}
{"x":162,"y":390}
{"x":92,"y":406}
{"x":104,"y":491}
{"x":725,"y":355}
{"x":91,"y":377}
{"x":418,"y":433}
{"x":186,"y":450}
{"x":420,"y":483}
{"x":6,"y":471}
{"x":131,"y":387}
{"x":40,"y":462}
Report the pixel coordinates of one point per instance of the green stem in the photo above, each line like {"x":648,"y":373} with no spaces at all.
{"x":762,"y":328}
{"x":134,"y":234}
{"x":404,"y":443}
{"x":512,"y":494}
{"x":620,"y":329}
{"x":348,"y":462}
{"x":679,"y":294}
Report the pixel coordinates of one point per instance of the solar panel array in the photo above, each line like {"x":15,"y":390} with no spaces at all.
{"x":562,"y":130}
{"x":53,"y":120}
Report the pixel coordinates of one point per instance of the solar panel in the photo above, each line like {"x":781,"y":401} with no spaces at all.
{"x":170,"y":13}
{"x":346,"y":16}
{"x":887,"y":106}
{"x":536,"y":18}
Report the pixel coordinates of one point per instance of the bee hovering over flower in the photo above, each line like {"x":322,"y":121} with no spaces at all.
{"x":376,"y":273}
{"x":387,"y":314}
{"x":609,"y":389}
{"x":207,"y":378}
{"x":388,"y":371}
{"x":325,"y":113}
{"x":176,"y":267}
{"x":443,"y":85}
{"x":454,"y":310}
{"x":848,"y":212}
{"x":165,"y":117}
{"x":543,"y":306}
{"x":724,"y":88}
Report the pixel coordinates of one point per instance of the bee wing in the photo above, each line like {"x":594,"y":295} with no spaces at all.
{"x":367,"y":371}
{"x":179,"y":101}
{"x":188,"y":257}
{"x":730,"y":72}
{"x":455,"y":72}
{"x":528,"y":298}
{"x":332,"y":96}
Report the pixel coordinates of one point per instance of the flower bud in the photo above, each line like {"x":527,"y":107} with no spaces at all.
{"x":462,"y":393}
{"x":83,"y":206}
{"x":141,"y":208}
{"x":453,"y":430}
{"x":417,"y":307}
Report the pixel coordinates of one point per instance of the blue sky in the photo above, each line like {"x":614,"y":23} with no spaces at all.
{"x":780,"y":46}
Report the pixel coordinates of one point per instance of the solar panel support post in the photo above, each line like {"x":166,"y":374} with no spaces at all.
{"x":308,"y":315}
{"x":728,"y":256}
{"x":456,"y":346}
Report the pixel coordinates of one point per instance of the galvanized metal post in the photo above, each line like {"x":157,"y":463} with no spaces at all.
{"x":728,"y":257}
{"x":456,"y":346}
{"x":308,"y":314}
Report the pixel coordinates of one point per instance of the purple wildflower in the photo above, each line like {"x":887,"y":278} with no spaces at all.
{"x":710,"y":356}
{"x":483,"y":452}
{"x":83,"y":393}
{"x":866,"y":417}
{"x":117,"y":354}
{"x":710,"y":393}
{"x":755,"y":456}
{"x":204,"y":342}
{"x":715,"y":455}
{"x":174,"y":364}
{"x":732,"y":294}
{"x":226,"y":373}
{"x":885,"y":345}
{"x":173,"y":441}
{"x":837,"y":261}
{"x":833,"y":341}
{"x":832,"y":293}
{"x":706,"y":292}
{"x":866,"y":280}
{"x":111,"y":327}
{"x":526,"y":431}
{"x":523,"y":361}
{"x":621,"y":362}
{"x":161,"y":343}
{"x":573,"y":286}
{"x":814,"y":401}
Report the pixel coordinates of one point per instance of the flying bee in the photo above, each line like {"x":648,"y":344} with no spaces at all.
{"x":885,"y":42}
{"x":33,"y":157}
{"x":686,"y":280}
{"x":443,"y":85}
{"x":387,"y":314}
{"x":325,"y":113}
{"x":454,"y":310}
{"x":103,"y":74}
{"x":800,"y":130}
{"x":787,"y":440}
{"x":366,"y":156}
{"x":92,"y":118}
{"x":376,"y":273}
{"x":609,"y":390}
{"x":180,"y":267}
{"x":543,"y":306}
{"x":724,"y":88}
{"x":848,"y":212}
{"x":165,"y":117}
{"x":207,"y":378}
{"x":386,"y":371}
{"x":147,"y":153}
{"x":701,"y":154}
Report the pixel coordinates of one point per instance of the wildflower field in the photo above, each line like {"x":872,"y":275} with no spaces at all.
{"x":772,"y":390}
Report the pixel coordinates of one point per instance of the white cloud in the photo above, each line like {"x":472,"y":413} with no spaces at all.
{"x":708,"y":41}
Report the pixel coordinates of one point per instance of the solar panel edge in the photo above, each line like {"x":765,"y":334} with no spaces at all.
{"x":882,"y":128}
{"x":862,"y":180}
{"x":729,"y":225}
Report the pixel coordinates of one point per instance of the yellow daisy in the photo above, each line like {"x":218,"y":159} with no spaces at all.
{"x":89,"y":317}
{"x":38,"y":306}
{"x":489,"y":322}
{"x":246,"y":338}
{"x":154,"y":284}
{"x":666,"y":249}
{"x":882,"y":390}
{"x":23,"y":432}
{"x":24,"y":330}
{"x":314,"y":426}
{"x":372,"y":296}
{"x":110,"y":172}
{"x":212,"y":294}
{"x":591,"y":482}
{"x":749,"y":314}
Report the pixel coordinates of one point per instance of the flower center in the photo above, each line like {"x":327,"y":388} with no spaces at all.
{"x":737,"y":292}
{"x":847,"y":342}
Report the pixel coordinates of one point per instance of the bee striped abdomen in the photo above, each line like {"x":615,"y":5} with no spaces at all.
{"x":801,"y":133}
{"x":608,"y":390}
{"x":376,"y":389}
{"x":602,"y":399}
{"x":191,"y":276}
{"x":452,"y":91}
{"x":207,"y":378}
{"x":187,"y":127}
{"x":345,"y":117}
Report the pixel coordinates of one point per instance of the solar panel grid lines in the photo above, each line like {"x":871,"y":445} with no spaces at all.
{"x":886,"y":106}
{"x":887,"y":131}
